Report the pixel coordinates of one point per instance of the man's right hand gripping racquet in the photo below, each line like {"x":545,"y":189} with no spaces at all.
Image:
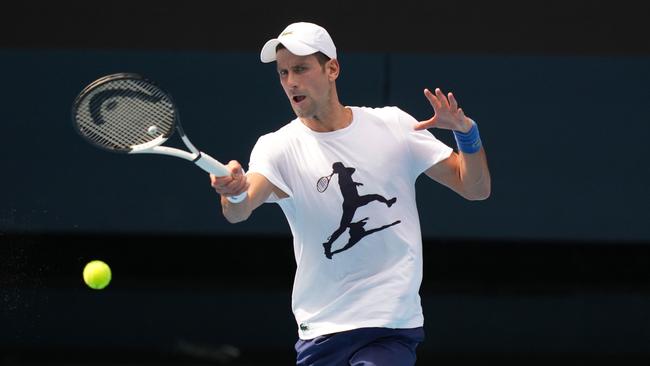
{"x":127,"y":113}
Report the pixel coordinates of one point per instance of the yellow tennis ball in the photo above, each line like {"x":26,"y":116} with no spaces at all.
{"x":97,"y":274}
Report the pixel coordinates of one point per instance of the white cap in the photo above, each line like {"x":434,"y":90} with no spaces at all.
{"x":301,"y":39}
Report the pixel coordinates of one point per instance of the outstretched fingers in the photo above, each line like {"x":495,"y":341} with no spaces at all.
{"x":453,"y":104}
{"x":433,"y":99}
{"x":441,"y":97}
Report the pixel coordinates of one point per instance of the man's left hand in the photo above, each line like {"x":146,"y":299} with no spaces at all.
{"x":447,"y":115}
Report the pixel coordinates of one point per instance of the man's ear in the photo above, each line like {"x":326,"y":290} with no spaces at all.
{"x":333,"y":69}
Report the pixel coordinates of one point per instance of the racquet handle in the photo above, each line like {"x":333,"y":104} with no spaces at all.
{"x":211,"y":165}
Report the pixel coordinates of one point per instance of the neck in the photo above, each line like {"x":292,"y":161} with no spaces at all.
{"x":331,"y":119}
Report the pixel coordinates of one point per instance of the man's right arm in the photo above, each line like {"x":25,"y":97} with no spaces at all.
{"x":258,"y":189}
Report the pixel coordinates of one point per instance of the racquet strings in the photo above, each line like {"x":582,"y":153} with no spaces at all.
{"x":120,"y":113}
{"x":322,"y":183}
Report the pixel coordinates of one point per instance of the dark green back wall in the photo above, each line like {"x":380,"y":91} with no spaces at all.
{"x":565,"y":136}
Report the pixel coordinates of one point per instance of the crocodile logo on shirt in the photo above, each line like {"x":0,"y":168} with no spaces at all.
{"x":351,"y":202}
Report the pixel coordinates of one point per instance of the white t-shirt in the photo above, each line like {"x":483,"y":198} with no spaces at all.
{"x":367,"y":215}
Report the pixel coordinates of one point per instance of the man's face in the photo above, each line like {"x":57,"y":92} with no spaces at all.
{"x":306,"y":83}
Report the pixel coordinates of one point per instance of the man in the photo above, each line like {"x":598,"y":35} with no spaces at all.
{"x":360,"y":306}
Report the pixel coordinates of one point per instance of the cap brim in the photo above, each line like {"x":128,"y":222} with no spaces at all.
{"x":268,"y":51}
{"x":296,"y":47}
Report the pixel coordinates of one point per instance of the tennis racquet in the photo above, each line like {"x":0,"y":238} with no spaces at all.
{"x":127,"y":113}
{"x":323,"y":183}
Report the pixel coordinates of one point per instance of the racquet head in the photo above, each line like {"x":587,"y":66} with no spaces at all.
{"x":124,"y":111}
{"x":323,"y":183}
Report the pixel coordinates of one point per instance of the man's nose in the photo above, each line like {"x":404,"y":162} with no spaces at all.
{"x":292,"y":81}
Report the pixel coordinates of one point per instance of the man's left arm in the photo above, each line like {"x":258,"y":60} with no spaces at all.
{"x":465,"y":172}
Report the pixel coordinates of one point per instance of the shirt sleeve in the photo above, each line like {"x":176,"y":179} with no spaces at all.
{"x":267,"y":159}
{"x":426,"y":150}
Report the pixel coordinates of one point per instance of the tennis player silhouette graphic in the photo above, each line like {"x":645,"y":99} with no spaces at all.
{"x":351,"y":202}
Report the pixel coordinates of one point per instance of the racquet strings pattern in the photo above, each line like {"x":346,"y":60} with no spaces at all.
{"x":119,"y":114}
{"x":322,"y":184}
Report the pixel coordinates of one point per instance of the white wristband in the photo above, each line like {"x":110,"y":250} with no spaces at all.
{"x":238,"y":198}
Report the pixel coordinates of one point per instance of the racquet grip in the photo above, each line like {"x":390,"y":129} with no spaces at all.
{"x":211,"y":165}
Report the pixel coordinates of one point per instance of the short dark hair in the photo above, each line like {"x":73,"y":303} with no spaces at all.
{"x":321,"y":57}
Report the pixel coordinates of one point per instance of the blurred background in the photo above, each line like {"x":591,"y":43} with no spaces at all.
{"x":553,"y":267}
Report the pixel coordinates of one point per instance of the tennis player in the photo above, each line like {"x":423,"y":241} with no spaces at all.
{"x":357,"y":244}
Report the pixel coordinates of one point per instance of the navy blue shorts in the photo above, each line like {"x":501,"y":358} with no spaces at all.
{"x":361,"y":347}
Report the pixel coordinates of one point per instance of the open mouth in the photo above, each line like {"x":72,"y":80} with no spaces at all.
{"x":298,"y":98}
